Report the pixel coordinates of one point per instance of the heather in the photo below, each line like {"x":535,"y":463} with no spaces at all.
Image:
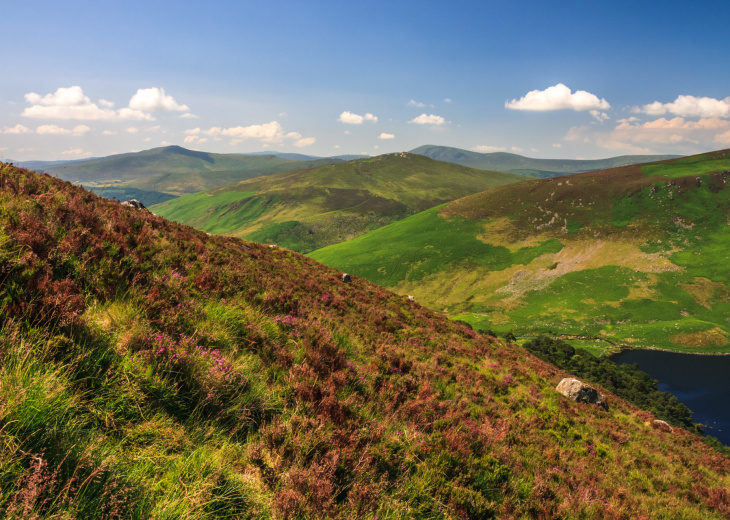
{"x":149,"y":370}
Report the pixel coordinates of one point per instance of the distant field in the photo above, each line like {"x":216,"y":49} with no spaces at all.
{"x":633,"y":256}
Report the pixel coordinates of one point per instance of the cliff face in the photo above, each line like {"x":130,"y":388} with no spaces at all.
{"x":148,"y":369}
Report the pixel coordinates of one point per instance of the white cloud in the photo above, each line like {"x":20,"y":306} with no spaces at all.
{"x":155,"y":100}
{"x":431,"y":119}
{"x":106,"y":103}
{"x":386,"y":136}
{"x":447,"y":100}
{"x":414,"y":103}
{"x":675,"y":130}
{"x":17,"y":129}
{"x":487,"y":148}
{"x":557,"y":145}
{"x":689,"y":106}
{"x":108,"y":132}
{"x":517,"y":149}
{"x":266,"y":133}
{"x":558,"y":97}
{"x":57,"y":130}
{"x":307,"y":141}
{"x":75,"y":151}
{"x":355,"y":119}
{"x":132,"y":130}
{"x":188,"y":115}
{"x":72,"y":103}
{"x":599,"y":116}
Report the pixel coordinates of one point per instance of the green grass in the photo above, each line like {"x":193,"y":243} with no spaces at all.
{"x":694,"y":165}
{"x":422,"y":245}
{"x":668,"y":287}
{"x":332,"y":203}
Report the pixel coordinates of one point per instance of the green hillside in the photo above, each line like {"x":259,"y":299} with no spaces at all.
{"x":148,"y":371}
{"x":174,"y":170}
{"x":308,"y":209}
{"x":628,"y":256}
{"x":509,"y":162}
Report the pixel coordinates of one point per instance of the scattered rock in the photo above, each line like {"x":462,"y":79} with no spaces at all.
{"x":346,"y":278}
{"x":582,"y":393}
{"x":661,"y":425}
{"x":135,"y":204}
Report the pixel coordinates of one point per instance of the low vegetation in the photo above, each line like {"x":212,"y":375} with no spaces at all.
{"x":148,"y":370}
{"x":633,"y":256}
{"x":309,"y":209}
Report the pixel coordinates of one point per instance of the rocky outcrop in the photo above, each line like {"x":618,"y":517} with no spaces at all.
{"x":582,"y":393}
{"x":662,"y":425}
{"x":135,"y":204}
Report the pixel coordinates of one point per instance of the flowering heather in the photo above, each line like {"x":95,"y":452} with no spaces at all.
{"x":148,"y":370}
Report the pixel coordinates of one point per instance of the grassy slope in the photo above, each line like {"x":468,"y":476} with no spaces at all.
{"x":634,"y":255}
{"x":174,"y":170}
{"x":309,"y":209}
{"x":509,"y":162}
{"x":150,"y":371}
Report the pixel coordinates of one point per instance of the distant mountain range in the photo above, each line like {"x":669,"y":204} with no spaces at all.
{"x":172,"y":170}
{"x":310,"y":208}
{"x":513,"y":163}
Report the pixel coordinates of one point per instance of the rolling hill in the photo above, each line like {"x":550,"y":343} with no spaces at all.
{"x":513,"y":163}
{"x":173,"y":170}
{"x":308,"y":209}
{"x":633,"y":256}
{"x":148,"y":370}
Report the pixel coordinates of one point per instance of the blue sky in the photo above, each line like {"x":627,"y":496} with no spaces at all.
{"x":562,"y":79}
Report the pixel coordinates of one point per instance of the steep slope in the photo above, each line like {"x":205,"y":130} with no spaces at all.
{"x":513,"y":163}
{"x":632,"y":255}
{"x":148,"y":370}
{"x":173,"y":169}
{"x":308,"y":209}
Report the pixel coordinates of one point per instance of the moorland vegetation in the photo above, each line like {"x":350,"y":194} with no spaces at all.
{"x":149,"y":370}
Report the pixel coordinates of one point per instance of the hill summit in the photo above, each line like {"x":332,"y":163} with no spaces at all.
{"x":149,"y":370}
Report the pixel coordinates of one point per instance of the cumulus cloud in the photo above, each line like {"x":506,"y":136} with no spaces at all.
{"x":188,"y":115}
{"x":675,"y":130}
{"x":153,"y":100}
{"x":386,"y":136}
{"x":66,"y":103}
{"x":355,"y":119}
{"x":75,"y":151}
{"x":17,"y":129}
{"x":431,"y":119}
{"x":488,"y":148}
{"x":689,"y":106}
{"x":132,"y":130}
{"x":599,"y":116}
{"x":72,"y":103}
{"x":414,"y":103}
{"x":268,"y":133}
{"x":57,"y":130}
{"x":558,"y":97}
{"x":307,"y":141}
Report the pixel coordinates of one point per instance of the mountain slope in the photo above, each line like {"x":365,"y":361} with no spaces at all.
{"x":174,"y":170}
{"x":509,"y":162}
{"x":631,"y":256}
{"x":308,"y":209}
{"x":151,"y":371}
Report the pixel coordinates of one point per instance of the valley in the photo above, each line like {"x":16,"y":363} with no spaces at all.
{"x":634,"y":256}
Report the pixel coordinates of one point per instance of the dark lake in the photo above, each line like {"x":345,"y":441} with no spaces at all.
{"x":702,"y":383}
